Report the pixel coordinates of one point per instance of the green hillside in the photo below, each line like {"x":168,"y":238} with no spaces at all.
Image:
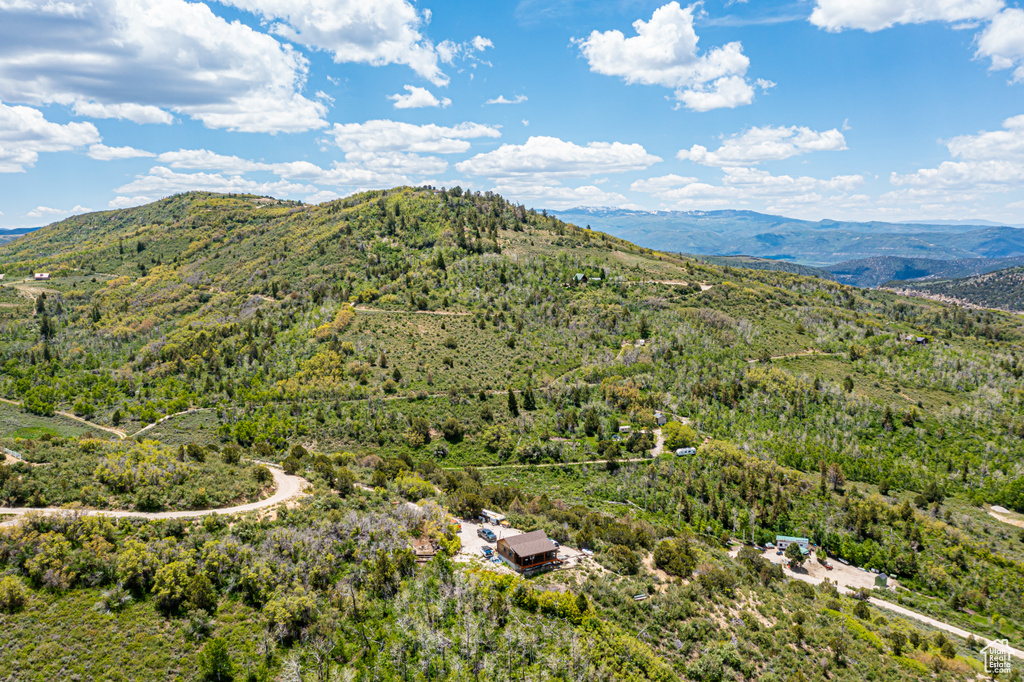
{"x":449,"y":347}
{"x":1003,"y":289}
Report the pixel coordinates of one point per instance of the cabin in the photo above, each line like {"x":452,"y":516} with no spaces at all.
{"x":660,"y":418}
{"x":1,"y":277}
{"x":686,"y":451}
{"x":492,"y":517}
{"x":42,"y":276}
{"x":529,"y":553}
{"x":784,"y":541}
{"x":580,"y":278}
{"x":881,"y":580}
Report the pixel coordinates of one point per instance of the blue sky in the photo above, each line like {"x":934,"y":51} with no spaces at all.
{"x":843,"y":109}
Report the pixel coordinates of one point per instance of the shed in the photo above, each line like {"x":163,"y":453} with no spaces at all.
{"x":42,"y":276}
{"x":624,"y":429}
{"x":492,"y":516}
{"x":881,"y":580}
{"x":660,"y":418}
{"x":784,"y":541}
{"x":529,"y":552}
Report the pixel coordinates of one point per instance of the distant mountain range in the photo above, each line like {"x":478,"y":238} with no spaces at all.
{"x":14,"y":233}
{"x":821,"y":244}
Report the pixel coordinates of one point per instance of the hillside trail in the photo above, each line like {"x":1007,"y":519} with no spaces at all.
{"x":452,"y":313}
{"x":847,"y":577}
{"x":1005,"y":519}
{"x":288,"y":487}
{"x":798,"y":354}
{"x":164,"y":418}
{"x":109,"y":429}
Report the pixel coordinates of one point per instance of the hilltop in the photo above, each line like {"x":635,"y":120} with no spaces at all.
{"x":416,"y":354}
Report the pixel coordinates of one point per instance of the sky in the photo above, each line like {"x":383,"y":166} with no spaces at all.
{"x":842,"y":109}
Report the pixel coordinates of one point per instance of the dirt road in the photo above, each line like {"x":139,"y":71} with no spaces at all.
{"x":849,"y":579}
{"x":117,"y":432}
{"x":288,"y":488}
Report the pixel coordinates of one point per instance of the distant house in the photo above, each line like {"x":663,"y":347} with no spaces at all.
{"x":1,"y":278}
{"x":42,"y":276}
{"x":624,"y":429}
{"x":660,"y":418}
{"x":920,"y":340}
{"x":529,"y":552}
{"x":784,"y":541}
{"x":686,"y":451}
{"x":580,"y":278}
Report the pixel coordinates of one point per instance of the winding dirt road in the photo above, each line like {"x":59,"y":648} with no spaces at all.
{"x":288,"y":488}
{"x":847,"y":577}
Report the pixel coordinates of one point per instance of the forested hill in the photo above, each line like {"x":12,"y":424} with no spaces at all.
{"x":416,"y":354}
{"x":1003,"y":289}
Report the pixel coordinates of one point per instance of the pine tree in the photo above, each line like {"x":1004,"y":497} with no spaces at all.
{"x":513,"y":404}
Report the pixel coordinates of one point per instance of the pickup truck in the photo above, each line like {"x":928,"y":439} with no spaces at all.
{"x":487,"y":534}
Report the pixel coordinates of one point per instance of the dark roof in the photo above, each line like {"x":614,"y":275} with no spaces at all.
{"x":529,"y":544}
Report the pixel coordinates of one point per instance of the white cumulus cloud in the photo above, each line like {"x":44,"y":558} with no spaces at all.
{"x":417,"y":98}
{"x":990,"y":161}
{"x":376,"y":33}
{"x":767,"y":143}
{"x":553,"y":156}
{"x":102,"y":152}
{"x":145,"y":60}
{"x":501,"y":99}
{"x":25,"y":133}
{"x":555,"y":195}
{"x":47,"y":212}
{"x":875,"y":15}
{"x":664,"y":52}
{"x":384,"y":135}
{"x":1002,"y":41}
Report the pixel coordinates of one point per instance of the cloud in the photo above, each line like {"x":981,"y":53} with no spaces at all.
{"x":745,"y":187}
{"x":989,"y":161}
{"x":1002,"y":41}
{"x":129,"y":202}
{"x":767,"y":143}
{"x":448,"y":50}
{"x":376,"y":33}
{"x":555,"y":195}
{"x":102,"y":152}
{"x":875,"y":15}
{"x":46,"y":211}
{"x":394,"y":136}
{"x":501,"y":99}
{"x":553,"y":156}
{"x":25,"y":133}
{"x":417,"y":98}
{"x":161,"y":182}
{"x":664,"y":52}
{"x":145,"y":60}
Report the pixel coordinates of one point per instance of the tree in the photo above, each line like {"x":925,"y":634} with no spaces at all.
{"x":795,"y":555}
{"x":848,"y":383}
{"x":675,"y":556}
{"x":897,"y":640}
{"x":679,"y":435}
{"x":215,"y":662}
{"x":452,"y":430}
{"x":513,"y":404}
{"x":836,"y":478}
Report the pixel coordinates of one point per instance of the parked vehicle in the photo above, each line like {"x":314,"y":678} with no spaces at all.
{"x":487,"y":551}
{"x":487,"y":534}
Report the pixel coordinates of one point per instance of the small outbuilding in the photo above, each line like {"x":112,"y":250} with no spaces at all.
{"x":881,"y":580}
{"x":529,"y":553}
{"x":580,"y":278}
{"x":625,"y":428}
{"x":42,"y":276}
{"x":660,"y":418}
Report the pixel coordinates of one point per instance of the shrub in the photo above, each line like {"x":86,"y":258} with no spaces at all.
{"x":215,"y":662}
{"x":13,"y":594}
{"x":452,"y":430}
